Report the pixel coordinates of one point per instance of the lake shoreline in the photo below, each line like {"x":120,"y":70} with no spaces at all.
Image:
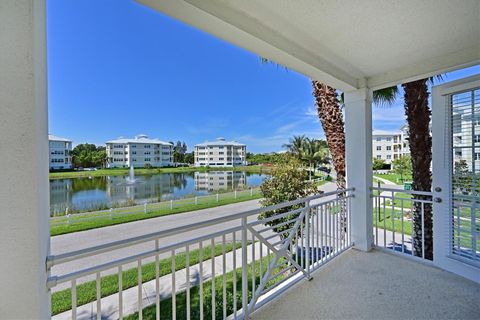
{"x":144,"y":171}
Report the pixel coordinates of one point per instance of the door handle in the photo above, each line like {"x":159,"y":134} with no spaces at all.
{"x":438,"y":189}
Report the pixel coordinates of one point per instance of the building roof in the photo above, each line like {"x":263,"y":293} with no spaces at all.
{"x":385,"y":133}
{"x":51,"y":137}
{"x":141,"y":138}
{"x":220,"y":142}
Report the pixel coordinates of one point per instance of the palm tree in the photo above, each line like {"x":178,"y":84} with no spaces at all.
{"x":418,"y":118}
{"x":313,"y":152}
{"x":296,"y":144}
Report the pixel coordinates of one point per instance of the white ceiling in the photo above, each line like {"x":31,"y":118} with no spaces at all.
{"x":345,"y":43}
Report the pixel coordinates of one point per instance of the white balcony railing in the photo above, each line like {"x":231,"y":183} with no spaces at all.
{"x":246,"y":261}
{"x":393,"y":219}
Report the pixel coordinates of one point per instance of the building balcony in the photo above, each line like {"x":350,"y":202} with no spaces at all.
{"x":304,"y":260}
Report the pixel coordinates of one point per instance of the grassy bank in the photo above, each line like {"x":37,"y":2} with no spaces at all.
{"x":149,"y":313}
{"x":394,"y":177}
{"x":86,"y":292}
{"x":89,"y":221}
{"x":143,"y":171}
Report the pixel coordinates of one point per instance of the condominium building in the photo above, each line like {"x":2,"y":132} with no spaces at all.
{"x":139,"y":152}
{"x":220,"y":153}
{"x":390,"y":145}
{"x":60,"y":150}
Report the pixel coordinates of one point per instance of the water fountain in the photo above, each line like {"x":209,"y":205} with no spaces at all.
{"x":131,"y":176}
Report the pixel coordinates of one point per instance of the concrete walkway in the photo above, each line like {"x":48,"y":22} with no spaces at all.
{"x":110,"y":304}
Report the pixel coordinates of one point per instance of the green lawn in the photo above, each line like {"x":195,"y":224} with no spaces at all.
{"x":83,"y":222}
{"x":142,"y":171}
{"x":149,"y":313}
{"x":86,"y":292}
{"x":394,"y":177}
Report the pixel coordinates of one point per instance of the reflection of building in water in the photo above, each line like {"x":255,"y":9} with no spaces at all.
{"x":60,"y":195}
{"x":219,"y":180}
{"x":147,"y":187}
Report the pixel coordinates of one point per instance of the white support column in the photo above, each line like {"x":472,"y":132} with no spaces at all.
{"x":24,"y":189}
{"x":358,"y":134}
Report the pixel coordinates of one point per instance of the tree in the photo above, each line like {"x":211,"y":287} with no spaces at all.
{"x":179,"y":151}
{"x":295,"y":145}
{"x":189,"y":157}
{"x":402,"y":166}
{"x":286,"y":183}
{"x":462,"y":177}
{"x":88,"y":155}
{"x":418,"y":118}
{"x":378,"y":164}
{"x":313,"y":152}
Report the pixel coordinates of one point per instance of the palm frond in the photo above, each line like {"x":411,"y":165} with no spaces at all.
{"x":386,"y":96}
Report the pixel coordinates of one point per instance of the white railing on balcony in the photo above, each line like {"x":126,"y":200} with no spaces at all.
{"x":249,"y":259}
{"x":394,"y":214}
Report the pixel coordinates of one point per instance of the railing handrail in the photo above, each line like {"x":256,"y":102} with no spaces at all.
{"x":95,"y":250}
{"x":413,"y":192}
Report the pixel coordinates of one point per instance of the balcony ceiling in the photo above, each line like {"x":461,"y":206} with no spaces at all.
{"x":347,"y":44}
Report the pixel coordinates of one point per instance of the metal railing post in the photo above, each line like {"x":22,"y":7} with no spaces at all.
{"x":244,"y":269}
{"x":307,"y":235}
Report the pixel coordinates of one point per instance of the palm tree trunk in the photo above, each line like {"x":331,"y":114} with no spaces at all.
{"x":331,"y":118}
{"x":418,"y":118}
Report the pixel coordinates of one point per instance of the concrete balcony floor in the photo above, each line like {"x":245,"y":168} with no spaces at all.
{"x":377,"y":285}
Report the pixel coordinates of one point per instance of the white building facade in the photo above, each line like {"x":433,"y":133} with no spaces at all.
{"x":60,"y":150}
{"x":220,"y":153}
{"x":390,"y":145}
{"x":139,"y":152}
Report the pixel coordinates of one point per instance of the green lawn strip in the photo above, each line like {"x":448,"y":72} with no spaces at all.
{"x":81,"y":223}
{"x":394,"y":177}
{"x":181,"y":309}
{"x":384,"y":221}
{"x":86,"y":292}
{"x":143,"y":171}
{"x":407,"y":203}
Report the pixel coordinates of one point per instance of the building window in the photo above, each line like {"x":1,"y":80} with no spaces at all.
{"x":477,"y":156}
{"x":389,"y":139}
{"x":379,"y":157}
{"x":379,"y":148}
{"x":477,"y":138}
{"x":379,"y":139}
{"x":389,"y":148}
{"x":389,"y":157}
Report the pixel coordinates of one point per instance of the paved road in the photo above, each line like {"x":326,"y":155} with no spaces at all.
{"x":85,"y":239}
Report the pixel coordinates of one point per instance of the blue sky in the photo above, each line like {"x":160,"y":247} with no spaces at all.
{"x":116,"y":68}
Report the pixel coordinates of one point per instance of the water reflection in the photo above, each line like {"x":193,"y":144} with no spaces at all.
{"x":220,"y":180}
{"x":96,"y":193}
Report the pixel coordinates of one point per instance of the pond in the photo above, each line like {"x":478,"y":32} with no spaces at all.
{"x":99,"y":193}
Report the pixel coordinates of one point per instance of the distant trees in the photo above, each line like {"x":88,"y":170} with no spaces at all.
{"x":402,"y":166}
{"x":378,"y":164}
{"x":179,"y":151}
{"x":309,"y":151}
{"x":265,"y":157}
{"x":189,"y":158}
{"x":88,"y":155}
